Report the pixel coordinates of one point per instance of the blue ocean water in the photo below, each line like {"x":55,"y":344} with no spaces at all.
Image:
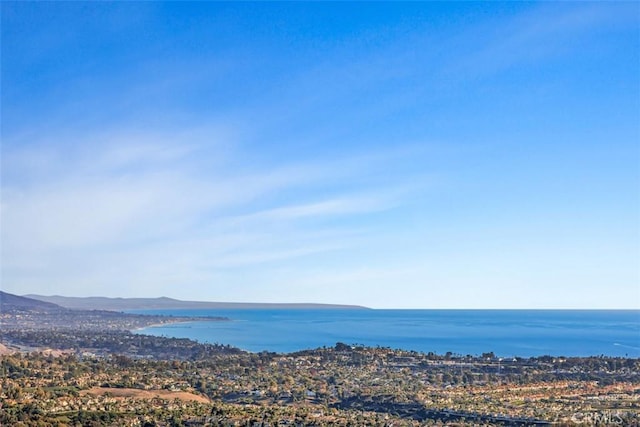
{"x":507,"y":333}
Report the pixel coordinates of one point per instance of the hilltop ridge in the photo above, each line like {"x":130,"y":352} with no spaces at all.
{"x":118,"y":304}
{"x":11,"y":302}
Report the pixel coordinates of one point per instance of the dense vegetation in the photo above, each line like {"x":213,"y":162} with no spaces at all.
{"x":329,"y":386}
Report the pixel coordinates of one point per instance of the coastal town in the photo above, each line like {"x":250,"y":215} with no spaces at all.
{"x":58,"y":372}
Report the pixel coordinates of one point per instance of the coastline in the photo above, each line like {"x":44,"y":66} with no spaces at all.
{"x":506,"y":334}
{"x":155,"y":325}
{"x":181,"y":320}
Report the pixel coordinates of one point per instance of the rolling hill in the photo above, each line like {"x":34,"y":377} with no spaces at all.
{"x":119,"y":304}
{"x":11,"y":302}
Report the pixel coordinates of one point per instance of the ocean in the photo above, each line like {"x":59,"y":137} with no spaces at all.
{"x":506,"y":333}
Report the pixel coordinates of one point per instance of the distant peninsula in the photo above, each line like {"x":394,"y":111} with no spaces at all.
{"x":119,"y":304}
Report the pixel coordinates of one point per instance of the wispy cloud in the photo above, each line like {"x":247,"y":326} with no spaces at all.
{"x":139,"y":208}
{"x":543,"y":33}
{"x":326,"y":208}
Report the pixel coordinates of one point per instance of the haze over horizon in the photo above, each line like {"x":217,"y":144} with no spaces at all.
{"x":390,"y":155}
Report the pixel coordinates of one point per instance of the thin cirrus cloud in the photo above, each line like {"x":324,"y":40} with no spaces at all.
{"x":171,"y":210}
{"x":545,"y":33}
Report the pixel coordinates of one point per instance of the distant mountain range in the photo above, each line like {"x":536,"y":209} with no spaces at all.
{"x":10,"y":302}
{"x":119,"y":304}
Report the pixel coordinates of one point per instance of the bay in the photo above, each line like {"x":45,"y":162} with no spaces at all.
{"x":507,"y":333}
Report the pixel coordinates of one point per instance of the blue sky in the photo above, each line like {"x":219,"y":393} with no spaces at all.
{"x":406,"y":155}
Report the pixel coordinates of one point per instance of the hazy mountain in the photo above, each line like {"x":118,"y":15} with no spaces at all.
{"x":10,"y":302}
{"x":104,"y":303}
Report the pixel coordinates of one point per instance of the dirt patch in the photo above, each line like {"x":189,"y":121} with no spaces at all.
{"x":55,"y":352}
{"x":134,"y":393}
{"x":5,"y":350}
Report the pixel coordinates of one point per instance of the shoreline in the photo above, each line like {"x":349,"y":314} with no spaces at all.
{"x":452,"y":356}
{"x":182,"y":320}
